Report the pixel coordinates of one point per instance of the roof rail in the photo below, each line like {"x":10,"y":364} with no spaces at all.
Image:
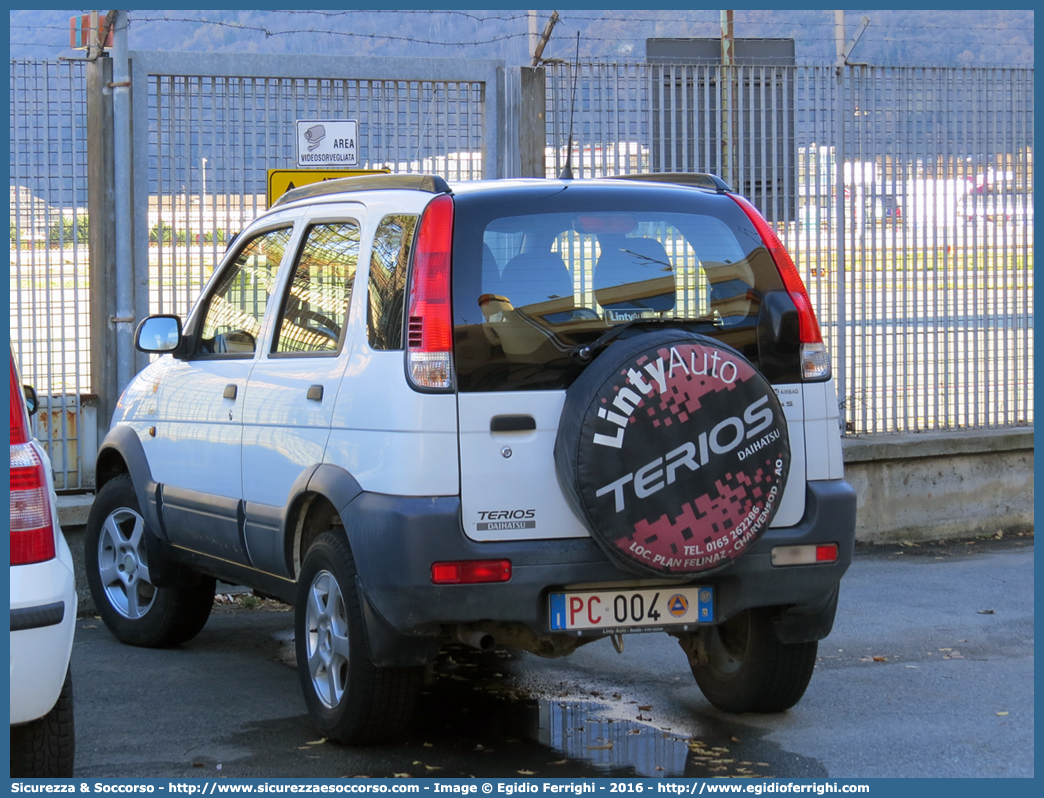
{"x":698,"y":179}
{"x":433,"y":184}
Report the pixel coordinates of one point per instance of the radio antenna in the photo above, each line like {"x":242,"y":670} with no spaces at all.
{"x":567,"y":170}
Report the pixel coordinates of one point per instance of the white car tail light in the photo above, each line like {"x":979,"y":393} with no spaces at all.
{"x":815,"y":361}
{"x":817,"y":554}
{"x":32,"y":532}
{"x":429,"y":332}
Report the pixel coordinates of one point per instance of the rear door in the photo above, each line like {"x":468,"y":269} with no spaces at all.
{"x":528,"y":288}
{"x":293,"y":387}
{"x":509,"y":489}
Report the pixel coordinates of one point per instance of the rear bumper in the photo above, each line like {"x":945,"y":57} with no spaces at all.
{"x":395,"y":540}
{"x":43,"y":620}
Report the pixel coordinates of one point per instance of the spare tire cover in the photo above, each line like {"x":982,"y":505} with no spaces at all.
{"x":673,"y":451}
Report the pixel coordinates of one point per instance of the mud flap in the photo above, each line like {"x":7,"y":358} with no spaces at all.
{"x":805,"y":623}
{"x":389,"y":648}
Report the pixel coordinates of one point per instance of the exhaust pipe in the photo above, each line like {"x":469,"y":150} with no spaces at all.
{"x":483,"y":641}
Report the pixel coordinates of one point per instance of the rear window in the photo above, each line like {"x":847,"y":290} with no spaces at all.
{"x":535,"y":276}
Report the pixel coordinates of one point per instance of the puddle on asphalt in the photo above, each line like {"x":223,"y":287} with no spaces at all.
{"x":471,"y":700}
{"x":473,"y":720}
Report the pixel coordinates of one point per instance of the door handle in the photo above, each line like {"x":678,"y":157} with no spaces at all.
{"x":230,"y":392}
{"x":521,"y":423}
{"x":315,"y":393}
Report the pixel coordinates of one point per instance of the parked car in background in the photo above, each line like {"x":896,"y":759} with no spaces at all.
{"x":529,"y":413}
{"x":884,"y":208}
{"x":871,"y":208}
{"x":996,"y":202}
{"x":43,"y":607}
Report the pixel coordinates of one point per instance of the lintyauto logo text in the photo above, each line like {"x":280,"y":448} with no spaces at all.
{"x":660,"y":370}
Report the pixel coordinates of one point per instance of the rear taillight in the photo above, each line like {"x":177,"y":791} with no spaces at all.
{"x":815,"y":361}
{"x":470,"y":572}
{"x":19,"y":419}
{"x":429,"y":322}
{"x":812,"y":554}
{"x":32,"y":534}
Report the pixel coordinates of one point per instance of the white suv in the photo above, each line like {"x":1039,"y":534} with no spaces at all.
{"x":43,"y":608}
{"x":531,"y":413}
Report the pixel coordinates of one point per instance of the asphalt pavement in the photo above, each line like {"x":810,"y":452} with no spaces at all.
{"x":928,"y":673}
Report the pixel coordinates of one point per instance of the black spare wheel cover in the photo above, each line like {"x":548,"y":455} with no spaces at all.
{"x":674,"y":452}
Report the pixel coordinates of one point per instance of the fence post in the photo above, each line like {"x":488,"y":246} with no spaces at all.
{"x":839,"y":204}
{"x":101,"y":233}
{"x":532,"y":128}
{"x":124,"y":184}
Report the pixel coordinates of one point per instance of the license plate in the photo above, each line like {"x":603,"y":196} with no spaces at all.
{"x":650,"y":607}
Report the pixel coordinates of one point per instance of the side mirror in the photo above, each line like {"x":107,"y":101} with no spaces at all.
{"x":32,"y":404}
{"x":158,"y":334}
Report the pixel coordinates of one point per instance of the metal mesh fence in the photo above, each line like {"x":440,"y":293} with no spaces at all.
{"x":904,"y":195}
{"x":50,"y":333}
{"x":212,"y":141}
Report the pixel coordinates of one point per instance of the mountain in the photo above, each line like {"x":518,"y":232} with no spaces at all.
{"x":942,"y":37}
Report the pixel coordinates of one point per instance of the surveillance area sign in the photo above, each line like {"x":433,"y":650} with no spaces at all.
{"x":327,"y":142}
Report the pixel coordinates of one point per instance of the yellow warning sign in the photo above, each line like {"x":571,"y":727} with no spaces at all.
{"x":281,"y":181}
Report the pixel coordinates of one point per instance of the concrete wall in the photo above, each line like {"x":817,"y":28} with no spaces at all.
{"x":929,"y":486}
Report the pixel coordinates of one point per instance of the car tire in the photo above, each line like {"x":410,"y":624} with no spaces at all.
{"x":134,"y":610}
{"x":673,"y":451}
{"x":46,"y":747}
{"x":351,"y":700}
{"x":748,"y":669}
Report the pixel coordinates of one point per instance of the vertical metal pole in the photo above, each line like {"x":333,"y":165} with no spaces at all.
{"x":839,"y":35}
{"x":727,"y":61}
{"x":660,"y":75}
{"x":102,"y":239}
{"x":534,"y":34}
{"x":1023,"y":409}
{"x":839,"y":202}
{"x":123,"y":206}
{"x":533,"y":122}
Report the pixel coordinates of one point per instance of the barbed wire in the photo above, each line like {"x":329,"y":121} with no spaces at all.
{"x":567,"y":20}
{"x":348,"y":34}
{"x":479,"y":42}
{"x":715,"y":20}
{"x":416,"y":12}
{"x":694,"y":17}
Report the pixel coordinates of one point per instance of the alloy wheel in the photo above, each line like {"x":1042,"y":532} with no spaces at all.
{"x":123,"y":564}
{"x":327,"y":639}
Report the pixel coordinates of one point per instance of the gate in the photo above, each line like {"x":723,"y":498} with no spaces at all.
{"x":207,"y":131}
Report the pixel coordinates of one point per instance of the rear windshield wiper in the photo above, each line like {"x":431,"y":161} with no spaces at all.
{"x":585,"y":353}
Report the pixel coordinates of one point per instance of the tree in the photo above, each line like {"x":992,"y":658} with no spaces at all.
{"x":161,"y":233}
{"x":67,"y":231}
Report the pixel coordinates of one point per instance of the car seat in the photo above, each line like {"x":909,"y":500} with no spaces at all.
{"x":535,"y":277}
